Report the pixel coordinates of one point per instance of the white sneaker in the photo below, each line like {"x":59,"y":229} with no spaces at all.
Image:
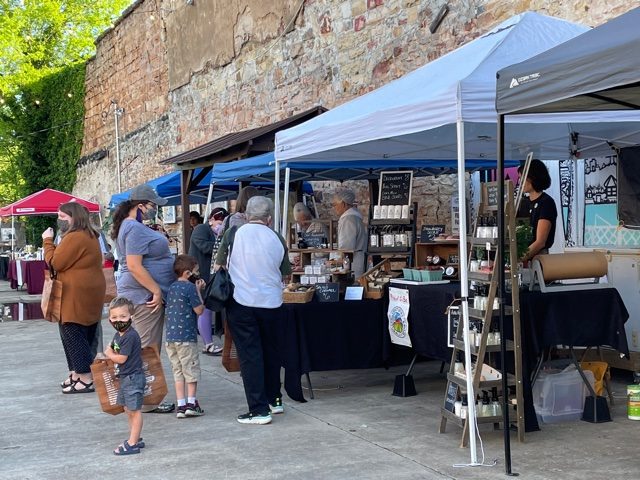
{"x":257,"y":419}
{"x":277,"y":406}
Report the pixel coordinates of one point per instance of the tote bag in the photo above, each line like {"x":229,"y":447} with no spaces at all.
{"x":51,"y":301}
{"x":110,"y":293}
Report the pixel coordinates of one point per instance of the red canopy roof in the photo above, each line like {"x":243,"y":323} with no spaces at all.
{"x":44,"y":202}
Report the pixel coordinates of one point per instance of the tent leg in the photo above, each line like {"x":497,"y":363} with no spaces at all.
{"x":285,"y":202}
{"x":464,"y":289}
{"x":207,"y":209}
{"x":276,"y":197}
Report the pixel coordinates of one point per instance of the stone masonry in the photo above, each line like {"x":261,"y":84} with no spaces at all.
{"x":264,"y":65}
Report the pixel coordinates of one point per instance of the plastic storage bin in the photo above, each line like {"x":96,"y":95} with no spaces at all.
{"x":559,"y":397}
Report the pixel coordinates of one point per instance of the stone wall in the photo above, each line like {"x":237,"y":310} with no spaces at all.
{"x":325,"y":53}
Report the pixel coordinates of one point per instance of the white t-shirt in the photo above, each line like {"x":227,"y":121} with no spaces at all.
{"x":254,"y":266}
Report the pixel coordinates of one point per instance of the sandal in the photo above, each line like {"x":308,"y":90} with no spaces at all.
{"x":68,"y":381}
{"x":140,"y":443}
{"x":87,"y":387}
{"x":126,"y":449}
{"x":212,"y":349}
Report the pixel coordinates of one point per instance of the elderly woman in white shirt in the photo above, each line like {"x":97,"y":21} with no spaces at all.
{"x":257,"y":262}
{"x":352,"y":234}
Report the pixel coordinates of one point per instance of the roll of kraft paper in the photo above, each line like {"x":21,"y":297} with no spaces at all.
{"x":566,"y":266}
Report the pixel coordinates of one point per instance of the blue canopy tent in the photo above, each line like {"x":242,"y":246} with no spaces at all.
{"x":262,"y":168}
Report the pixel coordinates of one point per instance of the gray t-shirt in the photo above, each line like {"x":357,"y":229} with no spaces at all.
{"x":136,"y":238}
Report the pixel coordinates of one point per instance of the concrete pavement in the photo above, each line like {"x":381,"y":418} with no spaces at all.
{"x":354,"y":429}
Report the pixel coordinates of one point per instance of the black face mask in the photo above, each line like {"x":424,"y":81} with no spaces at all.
{"x":121,"y":326}
{"x":194,"y":277}
{"x":63,"y":225}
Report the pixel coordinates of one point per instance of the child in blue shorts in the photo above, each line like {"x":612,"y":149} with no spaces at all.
{"x":125,"y":350}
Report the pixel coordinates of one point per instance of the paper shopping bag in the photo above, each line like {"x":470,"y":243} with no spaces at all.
{"x":51,"y":301}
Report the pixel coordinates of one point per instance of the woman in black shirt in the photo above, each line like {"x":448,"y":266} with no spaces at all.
{"x":543,"y":212}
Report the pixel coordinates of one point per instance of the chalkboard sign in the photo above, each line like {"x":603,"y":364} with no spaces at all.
{"x":327,"y":292}
{"x":492,"y":194}
{"x":313,"y":239}
{"x":453,"y":319}
{"x":451,"y":397}
{"x":395,"y":188}
{"x":429,"y":232}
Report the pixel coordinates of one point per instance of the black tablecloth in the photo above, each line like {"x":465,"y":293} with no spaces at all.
{"x":574,"y":318}
{"x":427,"y":318}
{"x":320,"y":336}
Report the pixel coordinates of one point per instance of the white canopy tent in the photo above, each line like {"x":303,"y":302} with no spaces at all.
{"x":446,"y":110}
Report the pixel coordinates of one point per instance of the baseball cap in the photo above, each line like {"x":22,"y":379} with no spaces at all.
{"x":146,"y":193}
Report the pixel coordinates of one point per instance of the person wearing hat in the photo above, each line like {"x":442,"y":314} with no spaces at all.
{"x":146,"y":263}
{"x":352,"y":234}
{"x":203,"y":245}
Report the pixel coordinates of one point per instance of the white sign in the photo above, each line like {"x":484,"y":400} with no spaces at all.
{"x":398,"y":315}
{"x":354,"y":293}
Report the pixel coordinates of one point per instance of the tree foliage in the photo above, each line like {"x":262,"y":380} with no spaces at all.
{"x":44,"y":45}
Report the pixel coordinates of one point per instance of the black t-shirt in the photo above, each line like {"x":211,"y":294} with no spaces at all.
{"x":128,"y":344}
{"x":543,"y":208}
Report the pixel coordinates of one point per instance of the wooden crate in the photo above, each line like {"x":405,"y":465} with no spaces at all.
{"x":383,"y":266}
{"x":298,"y":297}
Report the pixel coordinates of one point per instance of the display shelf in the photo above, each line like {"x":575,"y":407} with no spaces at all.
{"x":389,"y":250}
{"x":489,"y":348}
{"x":481,"y":384}
{"x":390,"y":221}
{"x":481,"y":314}
{"x":478,"y":241}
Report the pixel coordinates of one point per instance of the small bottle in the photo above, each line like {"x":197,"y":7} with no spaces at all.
{"x":496,"y":409}
{"x":369,"y":262}
{"x":464,"y":408}
{"x":478,"y":336}
{"x":486,"y":407}
{"x":457,"y":406}
{"x":346,"y":264}
{"x":494,"y":227}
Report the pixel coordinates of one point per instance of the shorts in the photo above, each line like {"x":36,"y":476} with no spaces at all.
{"x":185,"y":361}
{"x":131,"y":391}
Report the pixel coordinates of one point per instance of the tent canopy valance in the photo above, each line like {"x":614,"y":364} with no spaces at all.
{"x":45,"y":202}
{"x":262,"y":168}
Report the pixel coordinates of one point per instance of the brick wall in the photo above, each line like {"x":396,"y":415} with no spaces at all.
{"x":334,"y":51}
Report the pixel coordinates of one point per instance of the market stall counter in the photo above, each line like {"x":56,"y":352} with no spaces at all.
{"x":573,"y":318}
{"x":320,"y":336}
{"x":29,"y":272}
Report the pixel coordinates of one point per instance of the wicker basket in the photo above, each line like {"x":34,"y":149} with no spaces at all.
{"x":298,"y":297}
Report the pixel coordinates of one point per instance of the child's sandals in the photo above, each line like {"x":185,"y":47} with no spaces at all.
{"x":126,"y":449}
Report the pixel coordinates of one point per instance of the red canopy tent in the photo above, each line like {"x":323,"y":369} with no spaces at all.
{"x":44,"y":202}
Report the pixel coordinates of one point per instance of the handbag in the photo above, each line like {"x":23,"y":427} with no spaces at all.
{"x":218,"y":291}
{"x":107,"y":384}
{"x":110,"y":279}
{"x":51,"y":301}
{"x":230,"y":360}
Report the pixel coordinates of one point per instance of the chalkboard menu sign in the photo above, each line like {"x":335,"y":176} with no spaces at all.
{"x":452,"y":396}
{"x":492,"y":194}
{"x":429,"y":232}
{"x":453,"y":319}
{"x":313,"y":239}
{"x":327,"y":292}
{"x":395,"y":188}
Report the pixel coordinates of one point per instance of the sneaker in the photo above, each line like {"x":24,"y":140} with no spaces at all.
{"x":276,"y":407}
{"x":257,"y":419}
{"x":217,"y":350}
{"x":194,"y":410}
{"x":181,"y":412}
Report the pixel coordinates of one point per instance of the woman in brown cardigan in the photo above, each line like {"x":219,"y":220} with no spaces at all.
{"x":78,"y":262}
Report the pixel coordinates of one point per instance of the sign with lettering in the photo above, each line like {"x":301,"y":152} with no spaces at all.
{"x":452,"y":396}
{"x":429,"y":232}
{"x":327,"y":292}
{"x":453,"y":319}
{"x":313,"y":239}
{"x":395,"y":188}
{"x":398,"y":316}
{"x":491,"y":195}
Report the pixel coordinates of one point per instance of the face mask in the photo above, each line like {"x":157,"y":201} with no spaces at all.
{"x":151,"y":213}
{"x":63,"y":225}
{"x":194,"y":277}
{"x":217,"y":230}
{"x":121,"y":326}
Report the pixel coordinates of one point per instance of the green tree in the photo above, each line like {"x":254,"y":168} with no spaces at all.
{"x":44,"y":45}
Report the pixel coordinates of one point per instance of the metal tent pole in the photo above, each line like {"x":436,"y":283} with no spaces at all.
{"x":285,"y":202}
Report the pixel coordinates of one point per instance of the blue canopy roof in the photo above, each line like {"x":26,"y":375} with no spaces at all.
{"x":168,"y":186}
{"x":262,"y":167}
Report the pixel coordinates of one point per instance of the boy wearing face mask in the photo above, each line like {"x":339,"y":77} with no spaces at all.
{"x":184,"y":304}
{"x":126,"y":352}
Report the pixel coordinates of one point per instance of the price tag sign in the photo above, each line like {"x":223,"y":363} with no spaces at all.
{"x":327,"y":292}
{"x":395,"y":188}
{"x":354,"y":293}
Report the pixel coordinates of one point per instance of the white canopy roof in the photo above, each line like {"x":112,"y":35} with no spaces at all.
{"x":415,"y":116}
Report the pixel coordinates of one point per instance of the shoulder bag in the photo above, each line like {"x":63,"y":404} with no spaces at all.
{"x":51,"y":302}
